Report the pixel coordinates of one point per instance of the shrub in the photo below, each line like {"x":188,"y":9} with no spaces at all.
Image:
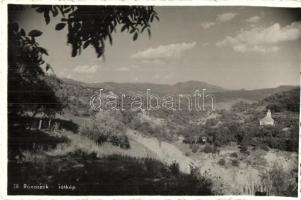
{"x":209,"y":149}
{"x":90,"y":130}
{"x":106,"y":128}
{"x":120,"y":175}
{"x":222,"y":162}
{"x":293,"y":141}
{"x":244,"y":149}
{"x":234,"y":155}
{"x":194,"y":148}
{"x":280,"y":182}
{"x":199,"y":183}
{"x":174,"y":168}
{"x":260,"y":161}
{"x":120,"y":140}
{"x":277,"y":143}
{"x":235,"y":163}
{"x":264,"y":147}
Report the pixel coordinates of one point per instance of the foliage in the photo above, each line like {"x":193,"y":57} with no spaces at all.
{"x":119,"y":140}
{"x":234,"y":155}
{"x":194,"y":148}
{"x":244,"y":149}
{"x":25,"y":55}
{"x":264,"y":147}
{"x":281,"y":183}
{"x":98,"y":26}
{"x":148,"y":127}
{"x":285,"y":101}
{"x":21,"y":139}
{"x":27,"y":90}
{"x":222,"y":162}
{"x":110,"y":175}
{"x":209,"y":149}
{"x":283,"y":135}
{"x":106,"y":127}
{"x":174,"y":168}
{"x":224,"y":134}
{"x":235,"y":163}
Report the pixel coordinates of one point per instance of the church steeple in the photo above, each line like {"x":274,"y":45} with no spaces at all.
{"x":267,"y":120}
{"x":269,"y":114}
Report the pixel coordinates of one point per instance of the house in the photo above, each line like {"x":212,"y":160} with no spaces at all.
{"x":42,"y":121}
{"x":54,"y":123}
{"x":267,"y":120}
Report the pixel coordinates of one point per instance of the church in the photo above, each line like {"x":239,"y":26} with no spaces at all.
{"x":267,"y":120}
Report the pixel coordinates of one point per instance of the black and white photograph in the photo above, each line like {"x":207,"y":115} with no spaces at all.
{"x":148,"y":100}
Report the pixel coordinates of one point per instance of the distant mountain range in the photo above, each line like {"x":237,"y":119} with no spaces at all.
{"x":253,"y":95}
{"x":160,"y":89}
{"x":221,"y":94}
{"x":76,"y":95}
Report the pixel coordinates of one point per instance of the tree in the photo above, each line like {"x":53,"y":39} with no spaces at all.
{"x":92,"y":25}
{"x":106,"y":127}
{"x":27,"y":90}
{"x":87,"y":26}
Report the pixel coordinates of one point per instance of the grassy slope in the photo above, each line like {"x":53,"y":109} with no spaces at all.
{"x":79,"y":142}
{"x":110,"y":175}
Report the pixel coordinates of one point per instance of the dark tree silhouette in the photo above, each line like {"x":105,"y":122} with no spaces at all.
{"x":27,"y":90}
{"x":87,"y":26}
{"x":92,"y":25}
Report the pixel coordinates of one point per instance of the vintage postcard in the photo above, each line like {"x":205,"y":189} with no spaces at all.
{"x":157,"y":100}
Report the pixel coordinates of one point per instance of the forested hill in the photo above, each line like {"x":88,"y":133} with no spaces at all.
{"x":253,"y":95}
{"x":287,"y":100}
{"x":76,"y":95}
{"x":187,"y":87}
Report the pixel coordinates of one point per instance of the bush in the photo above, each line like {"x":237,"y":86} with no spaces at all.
{"x":235,"y":163}
{"x":234,"y":155}
{"x":120,"y":175}
{"x":277,"y":143}
{"x":89,"y":129}
{"x":174,"y":168}
{"x":124,"y":142}
{"x":281,"y":182}
{"x":209,"y":149}
{"x":194,"y":148}
{"x":264,"y":147}
{"x":119,"y":140}
{"x":222,"y":162}
{"x":106,"y":128}
{"x":244,"y":149}
{"x":293,"y":142}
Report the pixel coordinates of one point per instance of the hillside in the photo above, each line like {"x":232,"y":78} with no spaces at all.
{"x":236,"y":147}
{"x":160,"y":89}
{"x":284,"y":101}
{"x":76,"y":95}
{"x":187,"y":87}
{"x":252,"y":95}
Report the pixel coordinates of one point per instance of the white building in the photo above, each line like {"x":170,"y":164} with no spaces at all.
{"x":267,"y":120}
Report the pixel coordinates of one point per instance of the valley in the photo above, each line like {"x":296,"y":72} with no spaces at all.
{"x":224,"y":148}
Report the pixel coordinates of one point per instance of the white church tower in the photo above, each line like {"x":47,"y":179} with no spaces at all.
{"x":267,"y":120}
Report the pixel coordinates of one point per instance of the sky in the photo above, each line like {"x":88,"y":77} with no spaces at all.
{"x":232,"y":47}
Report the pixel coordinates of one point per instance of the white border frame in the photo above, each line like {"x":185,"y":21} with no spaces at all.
{"x":3,"y":87}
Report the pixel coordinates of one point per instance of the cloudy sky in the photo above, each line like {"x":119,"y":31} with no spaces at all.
{"x":233,"y":47}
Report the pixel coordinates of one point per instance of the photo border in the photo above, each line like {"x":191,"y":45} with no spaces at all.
{"x":3,"y":87}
